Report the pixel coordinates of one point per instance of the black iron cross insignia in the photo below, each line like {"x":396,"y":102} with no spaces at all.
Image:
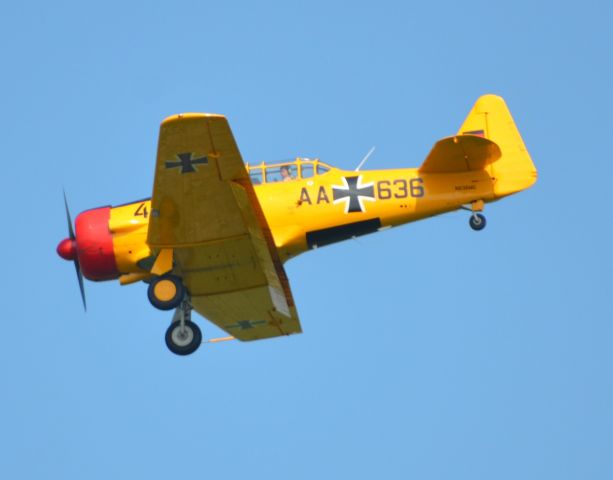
{"x":246,"y":324}
{"x":186,"y":163}
{"x":353,"y":193}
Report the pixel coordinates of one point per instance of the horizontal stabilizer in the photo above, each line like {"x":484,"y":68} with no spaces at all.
{"x":462,"y":153}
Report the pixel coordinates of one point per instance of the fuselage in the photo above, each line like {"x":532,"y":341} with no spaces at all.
{"x":336,"y":205}
{"x":312,"y":206}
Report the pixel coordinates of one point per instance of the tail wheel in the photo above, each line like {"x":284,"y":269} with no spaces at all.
{"x":166,"y":292}
{"x":183,"y":338}
{"x":477,"y":221}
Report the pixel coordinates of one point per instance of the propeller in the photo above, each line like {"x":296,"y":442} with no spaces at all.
{"x":67,"y":249}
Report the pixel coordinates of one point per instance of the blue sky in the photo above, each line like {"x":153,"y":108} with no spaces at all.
{"x":429,"y":351}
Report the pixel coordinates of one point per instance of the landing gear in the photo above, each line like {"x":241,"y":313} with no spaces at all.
{"x":166,"y":292}
{"x":477,"y":221}
{"x":183,"y":337}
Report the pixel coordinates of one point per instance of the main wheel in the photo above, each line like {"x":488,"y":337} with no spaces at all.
{"x":477,"y":221}
{"x":183,"y":340}
{"x":166,"y":292}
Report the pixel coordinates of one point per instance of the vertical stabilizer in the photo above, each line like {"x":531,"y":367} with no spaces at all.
{"x":490,"y":118}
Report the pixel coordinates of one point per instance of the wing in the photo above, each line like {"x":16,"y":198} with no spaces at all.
{"x":461,"y":153}
{"x":204,"y":208}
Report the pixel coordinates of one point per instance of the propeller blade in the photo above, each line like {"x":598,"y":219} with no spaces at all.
{"x":81,"y":287}
{"x":70,"y":229}
{"x":73,"y":237}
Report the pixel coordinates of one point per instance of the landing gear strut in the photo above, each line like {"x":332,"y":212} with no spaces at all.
{"x":183,"y":337}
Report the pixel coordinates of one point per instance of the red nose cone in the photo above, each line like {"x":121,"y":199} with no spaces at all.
{"x":67,"y":249}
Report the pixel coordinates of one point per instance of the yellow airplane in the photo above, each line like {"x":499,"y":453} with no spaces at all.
{"x":216,"y":232}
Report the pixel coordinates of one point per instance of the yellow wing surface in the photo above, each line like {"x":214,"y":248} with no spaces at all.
{"x":205,"y":210}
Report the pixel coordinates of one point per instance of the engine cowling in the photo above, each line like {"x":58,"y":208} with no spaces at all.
{"x":93,"y":245}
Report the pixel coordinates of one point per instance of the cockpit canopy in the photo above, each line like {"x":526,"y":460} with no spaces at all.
{"x":299,"y":169}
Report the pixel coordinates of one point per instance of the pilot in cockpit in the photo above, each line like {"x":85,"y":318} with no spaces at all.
{"x":285,"y":173}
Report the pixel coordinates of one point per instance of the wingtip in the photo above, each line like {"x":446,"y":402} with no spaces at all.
{"x":189,"y":116}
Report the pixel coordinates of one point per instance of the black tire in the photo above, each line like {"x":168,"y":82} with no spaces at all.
{"x":183,"y":342}
{"x":477,"y":221}
{"x":166,"y":303}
